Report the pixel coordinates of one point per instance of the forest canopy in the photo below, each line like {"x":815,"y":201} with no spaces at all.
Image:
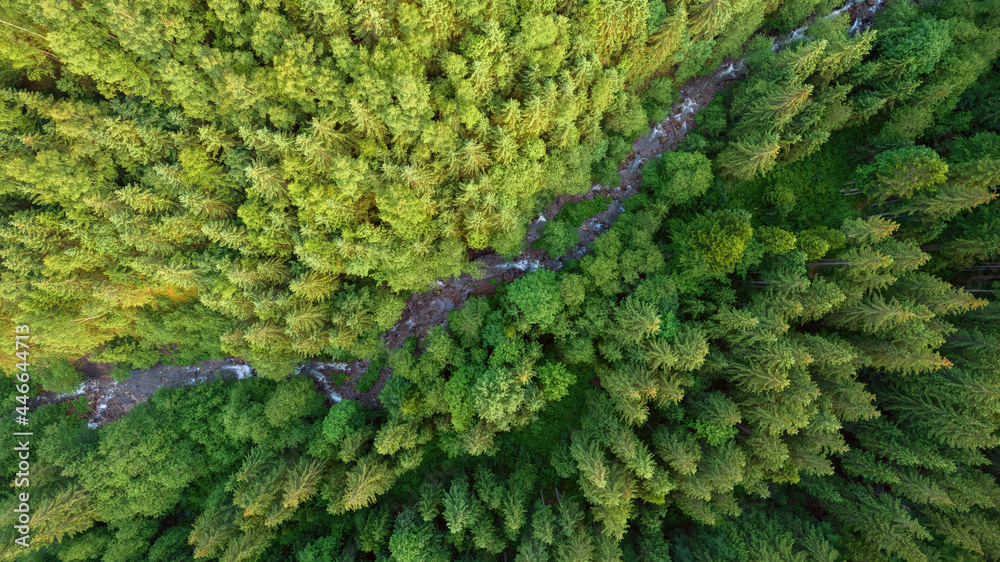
{"x":270,"y":179}
{"x":786,"y":347}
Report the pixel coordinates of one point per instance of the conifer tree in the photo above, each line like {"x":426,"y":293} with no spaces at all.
{"x":461,"y":509}
{"x":212,"y":530}
{"x":369,"y":477}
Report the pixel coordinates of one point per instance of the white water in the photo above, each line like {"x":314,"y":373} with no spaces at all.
{"x":241,"y":371}
{"x":841,"y":10}
{"x":523,"y":264}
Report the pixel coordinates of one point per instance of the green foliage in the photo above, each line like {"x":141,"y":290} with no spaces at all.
{"x":558,"y":238}
{"x":139,"y":468}
{"x":414,"y":540}
{"x":270,"y":182}
{"x":776,"y":241}
{"x":120,"y":372}
{"x":292,"y":399}
{"x":555,"y":380}
{"x":677,"y":177}
{"x":467,"y":322}
{"x":716,"y":422}
{"x":371,"y":374}
{"x":59,"y":376}
{"x":576,"y":213}
{"x":720,"y":239}
{"x":784,"y":348}
{"x":903,"y":173}
{"x":561,"y":232}
{"x":791,"y":103}
{"x":536,"y":297}
{"x":819,"y":241}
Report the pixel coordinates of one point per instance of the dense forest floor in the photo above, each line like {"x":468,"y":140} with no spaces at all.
{"x":109,"y":399}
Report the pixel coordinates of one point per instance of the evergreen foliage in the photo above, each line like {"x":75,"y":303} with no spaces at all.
{"x":266,"y":180}
{"x":757,"y":361}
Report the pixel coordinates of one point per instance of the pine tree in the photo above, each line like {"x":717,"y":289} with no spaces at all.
{"x":947,"y":202}
{"x":212,"y":530}
{"x":431,"y":496}
{"x":682,"y":451}
{"x":413,"y":539}
{"x":869,"y":230}
{"x":258,"y":484}
{"x":302,"y":481}
{"x":364,"y":482}
{"x":752,"y":156}
{"x":60,"y":515}
{"x":902,"y":173}
{"x":866,"y":269}
{"x":666,"y":40}
{"x":247,"y":546}
{"x":461,"y":509}
{"x":590,"y":462}
{"x":708,"y":17}
{"x":875,"y":315}
{"x":575,"y":541}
